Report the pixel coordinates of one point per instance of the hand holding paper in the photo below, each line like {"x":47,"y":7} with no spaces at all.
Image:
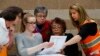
{"x":48,"y":44}
{"x":58,"y":44}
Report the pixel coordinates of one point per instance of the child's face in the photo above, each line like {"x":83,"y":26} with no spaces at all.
{"x":56,"y":29}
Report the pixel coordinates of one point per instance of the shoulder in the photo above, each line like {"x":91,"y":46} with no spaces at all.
{"x":87,"y":29}
{"x":48,"y":22}
{"x":89,"y":21}
{"x":69,"y":34}
{"x":2,"y":21}
{"x":19,"y":36}
{"x":92,"y":20}
{"x":89,"y":25}
{"x":37,"y":35}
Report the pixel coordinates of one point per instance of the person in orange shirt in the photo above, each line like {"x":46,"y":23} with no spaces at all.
{"x":88,"y":34}
{"x":8,"y":19}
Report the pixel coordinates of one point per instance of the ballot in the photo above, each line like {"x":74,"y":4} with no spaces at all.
{"x":58,"y":44}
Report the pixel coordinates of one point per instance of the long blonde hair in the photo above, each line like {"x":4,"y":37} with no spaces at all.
{"x":24,"y":21}
{"x":82,"y":13}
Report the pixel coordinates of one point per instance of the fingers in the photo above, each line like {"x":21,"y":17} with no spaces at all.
{"x":63,"y":47}
{"x":48,"y":44}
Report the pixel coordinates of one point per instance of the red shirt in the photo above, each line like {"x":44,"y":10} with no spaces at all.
{"x":45,"y":31}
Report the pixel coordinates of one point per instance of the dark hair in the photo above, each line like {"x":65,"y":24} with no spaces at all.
{"x":61,"y":22}
{"x":40,"y":9}
{"x":10,"y":13}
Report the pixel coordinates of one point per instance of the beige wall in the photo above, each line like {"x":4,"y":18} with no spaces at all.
{"x":51,"y":4}
{"x":57,"y":8}
{"x":63,"y":13}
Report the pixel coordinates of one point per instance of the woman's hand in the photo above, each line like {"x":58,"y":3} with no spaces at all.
{"x":48,"y":44}
{"x":62,"y":49}
{"x":64,"y":45}
{"x":11,"y":36}
{"x":95,"y":53}
{"x":1,"y":47}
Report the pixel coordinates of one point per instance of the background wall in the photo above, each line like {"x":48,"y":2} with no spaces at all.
{"x":51,"y":4}
{"x":57,"y":8}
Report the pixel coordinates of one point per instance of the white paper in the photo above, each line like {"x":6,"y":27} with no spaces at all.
{"x":51,"y":55}
{"x":58,"y":44}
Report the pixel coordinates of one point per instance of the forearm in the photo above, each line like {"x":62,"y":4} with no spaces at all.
{"x":11,"y":37}
{"x":34,"y":49}
{"x":73,"y":40}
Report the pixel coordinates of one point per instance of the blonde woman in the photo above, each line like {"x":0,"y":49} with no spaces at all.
{"x":29,"y":43}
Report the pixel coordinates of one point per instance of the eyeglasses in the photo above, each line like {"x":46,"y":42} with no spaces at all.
{"x":31,"y":22}
{"x":41,"y":16}
{"x":56,"y":27}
